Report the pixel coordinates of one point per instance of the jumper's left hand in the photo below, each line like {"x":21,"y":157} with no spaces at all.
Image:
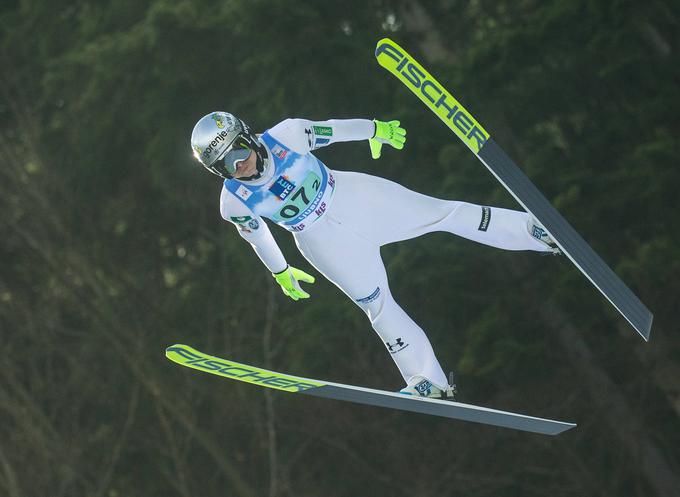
{"x":386,"y":132}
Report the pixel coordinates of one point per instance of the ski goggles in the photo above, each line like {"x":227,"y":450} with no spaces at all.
{"x":237,"y":152}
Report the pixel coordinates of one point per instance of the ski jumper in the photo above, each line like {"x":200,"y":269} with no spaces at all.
{"x":341,"y":219}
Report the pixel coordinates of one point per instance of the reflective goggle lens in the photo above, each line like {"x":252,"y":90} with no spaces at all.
{"x":233,"y":156}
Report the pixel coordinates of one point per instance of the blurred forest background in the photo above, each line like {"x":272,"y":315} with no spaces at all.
{"x":113,"y":248}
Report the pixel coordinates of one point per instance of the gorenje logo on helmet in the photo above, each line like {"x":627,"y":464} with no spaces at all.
{"x":211,"y":146}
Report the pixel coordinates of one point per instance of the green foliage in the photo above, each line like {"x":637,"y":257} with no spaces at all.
{"x":113,"y":248}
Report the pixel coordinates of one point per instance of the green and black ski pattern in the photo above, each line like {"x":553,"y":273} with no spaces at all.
{"x":192,"y":358}
{"x":402,"y":65}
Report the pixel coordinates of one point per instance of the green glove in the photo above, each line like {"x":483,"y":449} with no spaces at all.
{"x":289,"y":278}
{"x":390,"y":133}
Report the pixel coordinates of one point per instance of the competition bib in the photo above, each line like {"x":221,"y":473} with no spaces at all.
{"x":298,"y":193}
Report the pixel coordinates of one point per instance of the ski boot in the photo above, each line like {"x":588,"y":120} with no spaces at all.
{"x":419,"y":386}
{"x":540,"y":234}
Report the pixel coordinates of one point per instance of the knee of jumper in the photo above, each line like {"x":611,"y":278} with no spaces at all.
{"x":374,"y":303}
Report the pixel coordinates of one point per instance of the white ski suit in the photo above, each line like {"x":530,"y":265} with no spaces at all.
{"x":341,"y":219}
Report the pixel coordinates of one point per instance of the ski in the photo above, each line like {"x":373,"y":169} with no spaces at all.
{"x":192,"y":358}
{"x":402,"y":65}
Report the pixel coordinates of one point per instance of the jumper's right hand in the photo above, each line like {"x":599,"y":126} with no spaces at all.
{"x":289,"y":280}
{"x":386,"y":132}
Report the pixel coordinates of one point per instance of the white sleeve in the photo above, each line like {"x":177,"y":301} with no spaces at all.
{"x":254,"y":230}
{"x":302,"y":135}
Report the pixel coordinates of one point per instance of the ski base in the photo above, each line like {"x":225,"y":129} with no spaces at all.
{"x":568,"y":240}
{"x":192,"y":358}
